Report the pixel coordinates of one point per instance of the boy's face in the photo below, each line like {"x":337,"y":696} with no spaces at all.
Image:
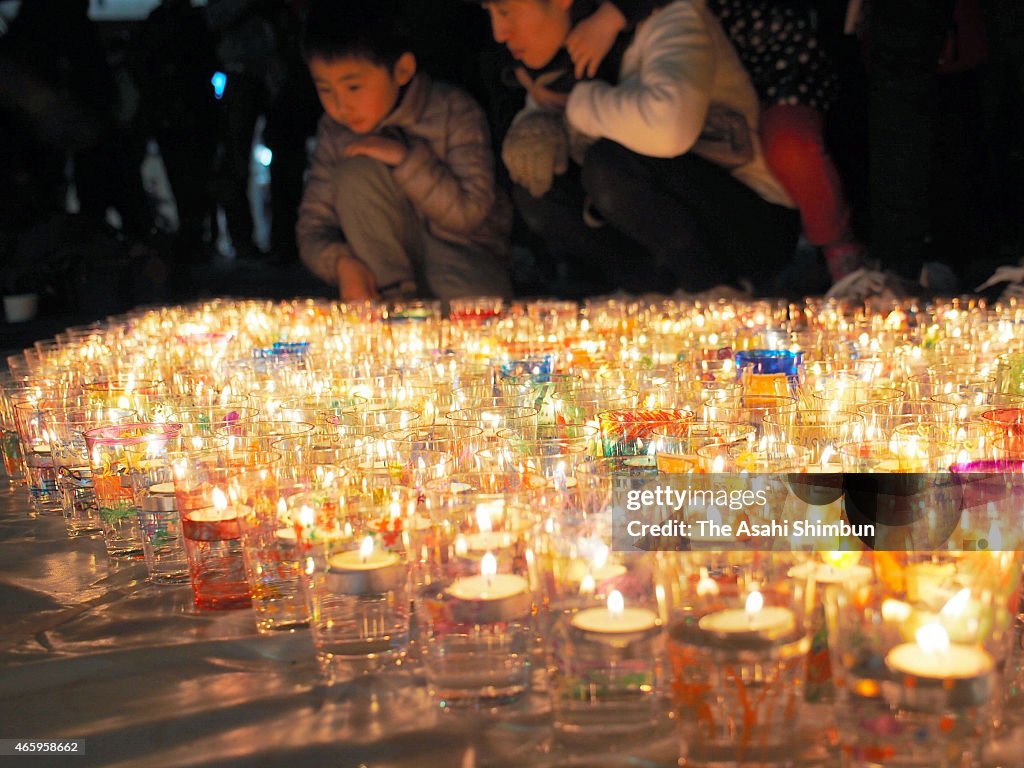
{"x":357,"y":93}
{"x":532,"y":30}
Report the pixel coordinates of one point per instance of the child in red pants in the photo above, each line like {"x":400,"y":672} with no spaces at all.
{"x":776,"y":42}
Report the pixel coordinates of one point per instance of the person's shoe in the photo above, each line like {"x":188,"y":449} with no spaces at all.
{"x":727,"y":292}
{"x":863,"y":284}
{"x":1013,"y":276}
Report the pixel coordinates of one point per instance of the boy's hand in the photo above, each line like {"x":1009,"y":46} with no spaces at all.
{"x":539,"y":91}
{"x":591,"y":39}
{"x":355,"y":280}
{"x":391,"y":152}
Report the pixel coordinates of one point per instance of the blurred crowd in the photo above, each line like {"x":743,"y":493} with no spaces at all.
{"x":914,"y":113}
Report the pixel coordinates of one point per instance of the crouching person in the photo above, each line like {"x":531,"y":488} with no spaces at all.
{"x":674,"y":191}
{"x":400,"y":200}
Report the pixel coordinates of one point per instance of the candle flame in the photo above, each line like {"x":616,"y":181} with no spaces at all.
{"x":366,"y":549}
{"x":754,"y":604}
{"x":600,"y":556}
{"x":461,"y":547}
{"x":306,"y":517}
{"x":587,"y":585}
{"x":932,"y":638}
{"x":827,"y":454}
{"x":220,"y":500}
{"x":488,"y":565}
{"x":154,"y":448}
{"x":895,"y":610}
{"x":483,"y":518}
{"x":616,"y":603}
{"x":957,"y":604}
{"x":706,"y":585}
{"x":718,"y":465}
{"x":841,"y":558}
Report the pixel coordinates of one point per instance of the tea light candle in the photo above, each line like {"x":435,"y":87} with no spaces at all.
{"x":490,"y":597}
{"x":596,"y":572}
{"x":829,"y":573}
{"x":616,"y":619}
{"x":930,"y":582}
{"x":305,"y":522}
{"x":366,"y":571}
{"x":158,"y":498}
{"x":216,"y":523}
{"x":419,"y":523}
{"x":826,"y":468}
{"x":486,"y":539}
{"x":560,"y":482}
{"x":933,"y":657}
{"x":775,"y":384}
{"x":753,"y":620}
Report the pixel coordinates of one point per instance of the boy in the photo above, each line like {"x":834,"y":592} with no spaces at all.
{"x":677,"y":190}
{"x":400,"y":200}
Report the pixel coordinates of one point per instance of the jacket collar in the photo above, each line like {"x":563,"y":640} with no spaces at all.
{"x":411,"y":104}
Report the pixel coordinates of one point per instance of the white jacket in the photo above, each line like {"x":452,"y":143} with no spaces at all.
{"x":677,"y":66}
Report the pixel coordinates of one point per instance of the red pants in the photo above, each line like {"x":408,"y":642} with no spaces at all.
{"x":794,"y":149}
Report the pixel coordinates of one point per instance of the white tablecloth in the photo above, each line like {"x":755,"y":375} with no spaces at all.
{"x":89,"y":650}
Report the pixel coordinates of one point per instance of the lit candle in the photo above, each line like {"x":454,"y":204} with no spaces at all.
{"x":933,"y":657}
{"x":291,"y":535}
{"x":597,"y":571}
{"x":159,"y":498}
{"x":489,"y":597}
{"x":307,"y":528}
{"x":839,"y":568}
{"x":365,"y":571}
{"x":616,"y":619}
{"x":486,"y":539}
{"x":930,"y":582}
{"x":753,"y":621}
{"x":216,"y":523}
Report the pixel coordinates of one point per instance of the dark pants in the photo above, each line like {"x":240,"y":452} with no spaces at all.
{"x":905,"y":40}
{"x":188,"y":161}
{"x":672,"y":223}
{"x":243,"y":102}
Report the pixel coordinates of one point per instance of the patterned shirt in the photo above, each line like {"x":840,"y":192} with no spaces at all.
{"x":777,"y":42}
